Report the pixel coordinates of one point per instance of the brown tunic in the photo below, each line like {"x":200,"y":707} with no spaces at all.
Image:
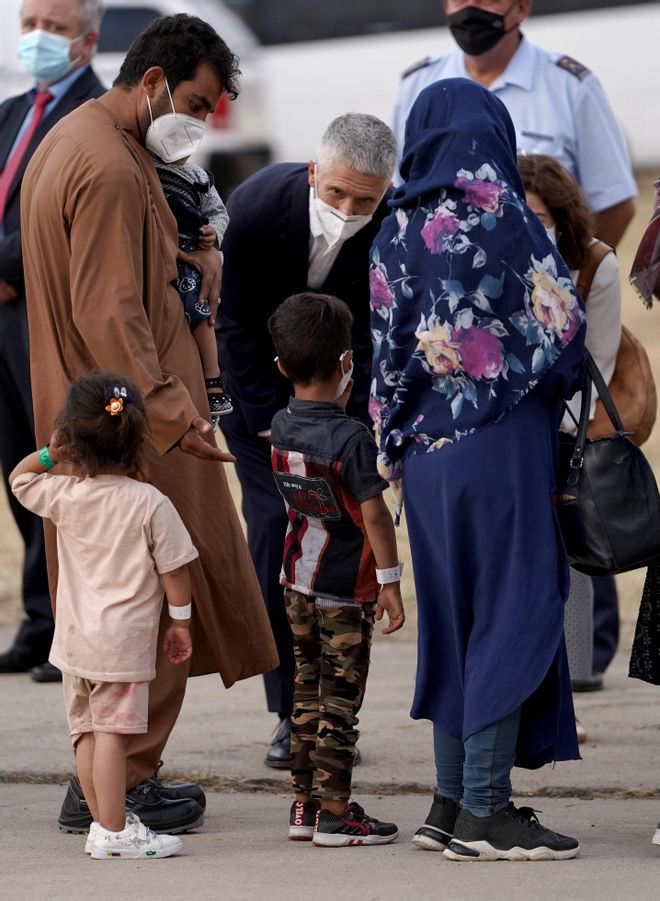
{"x":99,"y":249}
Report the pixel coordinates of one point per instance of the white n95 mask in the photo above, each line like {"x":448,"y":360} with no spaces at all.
{"x":173,"y":136}
{"x":337,"y":226}
{"x":345,"y":376}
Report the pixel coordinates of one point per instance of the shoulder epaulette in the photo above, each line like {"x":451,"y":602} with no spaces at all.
{"x":573,"y":66}
{"x":420,"y":64}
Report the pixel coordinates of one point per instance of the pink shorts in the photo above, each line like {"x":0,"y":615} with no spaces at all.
{"x":120,"y":707}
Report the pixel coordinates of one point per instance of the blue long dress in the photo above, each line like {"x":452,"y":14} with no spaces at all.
{"x":478,"y":334}
{"x":491,"y":578}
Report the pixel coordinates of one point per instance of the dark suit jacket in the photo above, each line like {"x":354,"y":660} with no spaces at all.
{"x":266,"y":250}
{"x":12,"y":114}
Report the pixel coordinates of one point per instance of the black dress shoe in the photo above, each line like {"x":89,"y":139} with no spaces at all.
{"x":45,"y":672}
{"x":16,"y":660}
{"x":147,"y":800}
{"x":279,"y":750}
{"x":179,"y":789}
{"x":595,"y":683}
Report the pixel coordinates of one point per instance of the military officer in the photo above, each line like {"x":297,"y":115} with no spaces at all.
{"x":557,"y":105}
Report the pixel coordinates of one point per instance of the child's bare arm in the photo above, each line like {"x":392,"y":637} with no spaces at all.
{"x":380,"y":532}
{"x":207,"y":237}
{"x":38,"y":461}
{"x":177,"y":643}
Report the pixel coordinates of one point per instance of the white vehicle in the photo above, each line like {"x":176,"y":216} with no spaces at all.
{"x":236,"y":143}
{"x":321,"y":59}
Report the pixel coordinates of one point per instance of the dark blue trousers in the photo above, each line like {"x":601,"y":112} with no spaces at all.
{"x":265,"y":515}
{"x":35,"y":633}
{"x":606,"y":621}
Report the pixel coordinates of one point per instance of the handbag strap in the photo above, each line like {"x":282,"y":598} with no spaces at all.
{"x":593,"y":376}
{"x":595,"y":256}
{"x":604,"y":393}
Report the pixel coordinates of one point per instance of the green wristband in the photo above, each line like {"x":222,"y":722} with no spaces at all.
{"x":45,"y":458}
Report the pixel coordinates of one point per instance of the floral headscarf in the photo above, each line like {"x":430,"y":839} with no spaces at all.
{"x":471,"y":304}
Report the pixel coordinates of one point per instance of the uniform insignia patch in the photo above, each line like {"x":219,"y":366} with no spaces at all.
{"x":420,"y":64}
{"x":573,"y":66}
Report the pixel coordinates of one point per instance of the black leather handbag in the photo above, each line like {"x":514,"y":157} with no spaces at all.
{"x":608,"y":500}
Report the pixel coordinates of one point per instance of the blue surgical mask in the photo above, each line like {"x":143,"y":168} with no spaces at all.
{"x":45,"y":55}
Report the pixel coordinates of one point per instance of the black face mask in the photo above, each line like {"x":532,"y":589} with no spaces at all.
{"x":476,"y":31}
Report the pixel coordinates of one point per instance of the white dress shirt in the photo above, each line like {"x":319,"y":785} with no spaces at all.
{"x":558,"y":108}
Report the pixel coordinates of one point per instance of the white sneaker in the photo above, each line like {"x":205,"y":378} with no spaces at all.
{"x":135,"y":842}
{"x":91,"y":837}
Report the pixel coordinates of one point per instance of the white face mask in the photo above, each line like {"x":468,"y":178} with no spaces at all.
{"x":345,"y":376}
{"x":173,"y":136}
{"x":552,"y":234}
{"x":337,"y":226}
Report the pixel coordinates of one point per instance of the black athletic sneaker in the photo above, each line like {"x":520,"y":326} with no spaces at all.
{"x":438,"y":828}
{"x":352,"y":827}
{"x":147,"y":801}
{"x":511,"y":834}
{"x":301,"y":821}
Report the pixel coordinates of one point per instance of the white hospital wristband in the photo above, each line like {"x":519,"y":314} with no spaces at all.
{"x":180,"y":612}
{"x":386,"y":576}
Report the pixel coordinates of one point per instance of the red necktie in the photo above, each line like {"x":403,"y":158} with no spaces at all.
{"x":41,"y":100}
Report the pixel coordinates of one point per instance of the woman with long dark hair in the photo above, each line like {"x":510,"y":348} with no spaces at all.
{"x":591,"y":621}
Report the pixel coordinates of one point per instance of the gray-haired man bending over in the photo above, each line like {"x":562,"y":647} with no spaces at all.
{"x":294,"y":227}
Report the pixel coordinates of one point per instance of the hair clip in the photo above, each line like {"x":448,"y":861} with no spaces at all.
{"x":116,"y":397}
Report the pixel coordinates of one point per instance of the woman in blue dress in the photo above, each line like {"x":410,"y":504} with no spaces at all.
{"x":478,"y":335}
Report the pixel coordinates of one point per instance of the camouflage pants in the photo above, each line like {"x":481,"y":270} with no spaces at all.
{"x":331,"y":647}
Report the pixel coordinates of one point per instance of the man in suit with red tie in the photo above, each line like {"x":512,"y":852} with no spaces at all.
{"x":57,"y":44}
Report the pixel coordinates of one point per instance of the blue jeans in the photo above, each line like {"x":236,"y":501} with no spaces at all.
{"x":477,"y":773}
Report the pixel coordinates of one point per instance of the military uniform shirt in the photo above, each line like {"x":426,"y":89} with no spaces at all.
{"x":558,"y":108}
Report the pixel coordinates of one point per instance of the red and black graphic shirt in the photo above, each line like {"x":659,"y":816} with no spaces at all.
{"x":324,"y":465}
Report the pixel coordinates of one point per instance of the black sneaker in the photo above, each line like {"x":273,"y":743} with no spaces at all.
{"x":220,"y":404}
{"x":438,"y":828}
{"x":510,"y":834}
{"x":159,"y":813}
{"x":301,"y":821}
{"x":352,"y":827}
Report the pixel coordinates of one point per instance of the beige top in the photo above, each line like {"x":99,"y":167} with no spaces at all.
{"x":603,"y":330}
{"x":114,"y":535}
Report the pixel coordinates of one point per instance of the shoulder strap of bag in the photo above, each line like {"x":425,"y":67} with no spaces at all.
{"x":593,"y":375}
{"x":595,"y":256}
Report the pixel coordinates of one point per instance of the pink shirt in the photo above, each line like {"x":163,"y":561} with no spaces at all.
{"x":114,"y":536}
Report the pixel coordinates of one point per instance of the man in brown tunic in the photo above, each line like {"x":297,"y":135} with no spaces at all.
{"x":100,"y":248}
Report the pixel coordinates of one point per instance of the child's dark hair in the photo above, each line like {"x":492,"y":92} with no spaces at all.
{"x":95,"y":435}
{"x":310,"y":332}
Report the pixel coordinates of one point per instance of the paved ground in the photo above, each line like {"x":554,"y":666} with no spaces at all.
{"x":242,"y":854}
{"x":609,"y":800}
